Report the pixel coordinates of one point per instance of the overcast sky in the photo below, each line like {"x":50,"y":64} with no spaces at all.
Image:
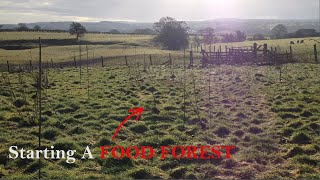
{"x":15,"y":11}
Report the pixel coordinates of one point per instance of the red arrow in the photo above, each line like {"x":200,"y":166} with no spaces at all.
{"x":132,"y":112}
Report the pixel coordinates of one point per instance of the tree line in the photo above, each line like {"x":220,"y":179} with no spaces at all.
{"x":174,"y":35}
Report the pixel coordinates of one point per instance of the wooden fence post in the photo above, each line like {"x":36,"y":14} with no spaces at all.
{"x":125,"y":57}
{"x":150,"y":58}
{"x":51,"y":64}
{"x":170,"y":60}
{"x":218,"y":57}
{"x":102,"y":62}
{"x":255,"y":50}
{"x":191,"y":59}
{"x":265,"y":52}
{"x":144,"y":61}
{"x":39,"y":101}
{"x":315,"y":53}
{"x":30,"y":64}
{"x":75,"y":62}
{"x":8,"y":66}
{"x":291,"y":57}
{"x":184,"y":58}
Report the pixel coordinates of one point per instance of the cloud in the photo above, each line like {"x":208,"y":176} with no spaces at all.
{"x":15,"y":11}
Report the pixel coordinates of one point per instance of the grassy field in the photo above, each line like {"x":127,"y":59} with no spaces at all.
{"x":273,"y":123}
{"x":270,"y":113}
{"x":110,"y":45}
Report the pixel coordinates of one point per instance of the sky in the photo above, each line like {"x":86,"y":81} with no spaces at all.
{"x":27,"y":11}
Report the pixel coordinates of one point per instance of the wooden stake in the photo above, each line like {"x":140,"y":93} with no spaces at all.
{"x":315,"y":53}
{"x":8,"y":66}
{"x":150,"y":59}
{"x":39,"y":103}
{"x":102,"y":62}
{"x":125,"y":57}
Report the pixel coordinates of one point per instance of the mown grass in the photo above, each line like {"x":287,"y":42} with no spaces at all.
{"x":273,"y":123}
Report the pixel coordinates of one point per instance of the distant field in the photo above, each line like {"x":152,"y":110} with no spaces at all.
{"x":110,"y":45}
{"x":88,"y":37}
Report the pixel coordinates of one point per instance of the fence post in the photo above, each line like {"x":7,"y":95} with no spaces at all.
{"x":255,"y":50}
{"x":170,"y":59}
{"x":102,"y":62}
{"x":30,"y":64}
{"x":184,"y":58}
{"x":315,"y":53}
{"x":144,"y":61}
{"x":210,"y":54}
{"x":125,"y":57}
{"x":39,"y":101}
{"x":8,"y":66}
{"x":75,"y":62}
{"x":291,"y":57}
{"x":150,"y":58}
{"x":265,"y":51}
{"x":275,"y":55}
{"x":218,"y":57}
{"x":191,"y":59}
